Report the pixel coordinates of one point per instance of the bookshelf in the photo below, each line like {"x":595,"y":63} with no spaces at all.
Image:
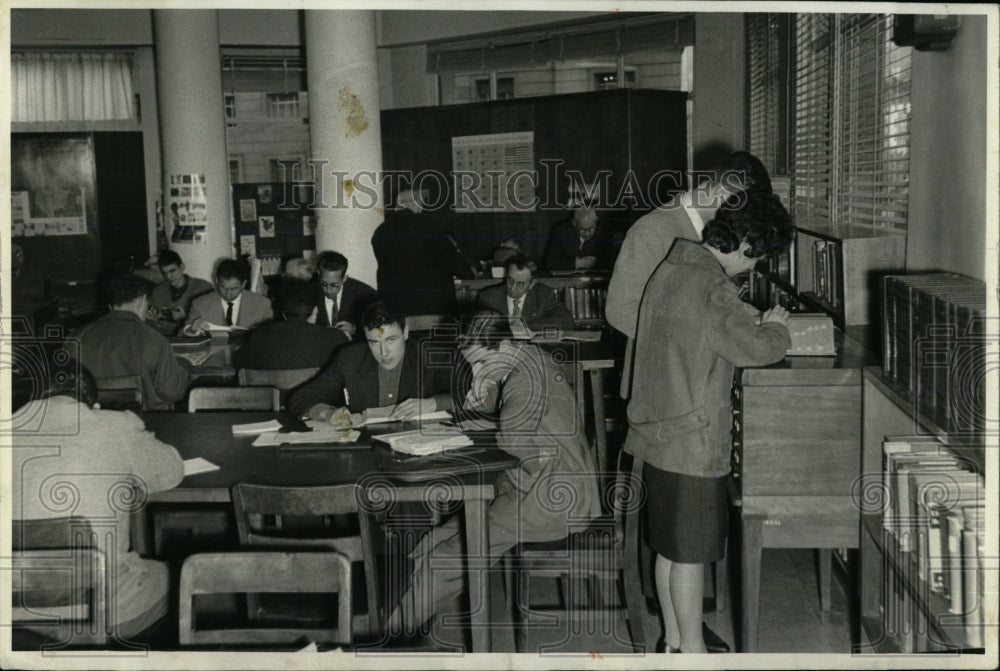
{"x":900,"y":612}
{"x":583,"y":295}
{"x":838,"y":269}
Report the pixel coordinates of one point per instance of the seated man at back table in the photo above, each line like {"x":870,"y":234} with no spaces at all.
{"x":342,"y":299}
{"x":290,"y":341}
{"x":579,"y":243}
{"x":230,"y":305}
{"x":171,"y":299}
{"x":386,"y":370}
{"x":121,"y":343}
{"x":520,"y":296}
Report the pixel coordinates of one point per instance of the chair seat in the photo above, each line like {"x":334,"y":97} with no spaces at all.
{"x":601,"y":533}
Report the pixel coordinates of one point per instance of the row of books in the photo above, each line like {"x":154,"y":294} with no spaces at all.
{"x":935,"y":347}
{"x":827,"y":271}
{"x":763,"y":293}
{"x":782,"y":265}
{"x":934,"y":531}
{"x":583,"y":302}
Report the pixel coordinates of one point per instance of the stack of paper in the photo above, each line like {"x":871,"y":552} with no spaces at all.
{"x":321,"y":433}
{"x":426,"y":440}
{"x":381,"y":416}
{"x":256,"y":427}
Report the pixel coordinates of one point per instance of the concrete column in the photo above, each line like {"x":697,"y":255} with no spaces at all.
{"x":345,"y":131}
{"x":193,"y":127}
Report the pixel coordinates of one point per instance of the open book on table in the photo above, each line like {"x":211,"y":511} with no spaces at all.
{"x":429,"y":439}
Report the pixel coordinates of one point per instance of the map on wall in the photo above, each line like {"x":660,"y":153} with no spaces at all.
{"x":494,"y":172}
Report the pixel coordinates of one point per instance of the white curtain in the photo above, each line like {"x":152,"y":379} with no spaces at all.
{"x":71,"y":86}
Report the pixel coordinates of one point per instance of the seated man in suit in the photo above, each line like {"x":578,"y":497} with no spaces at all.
{"x":290,"y":341}
{"x":121,"y":343}
{"x":230,"y":305}
{"x":521,"y":297}
{"x":386,"y":370}
{"x":578,"y":243}
{"x":171,"y":299}
{"x":342,"y":299}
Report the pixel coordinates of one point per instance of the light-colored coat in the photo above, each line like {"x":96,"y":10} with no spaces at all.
{"x":693,"y":331}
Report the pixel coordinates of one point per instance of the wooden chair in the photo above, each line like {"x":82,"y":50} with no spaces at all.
{"x":122,"y":392}
{"x":59,"y":585}
{"x":266,"y":572}
{"x":303,"y":518}
{"x":233,"y":398}
{"x":593,"y":561}
{"x":284,"y":380}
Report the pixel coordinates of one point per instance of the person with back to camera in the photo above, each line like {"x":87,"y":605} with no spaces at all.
{"x":102,"y":451}
{"x":693,"y":331}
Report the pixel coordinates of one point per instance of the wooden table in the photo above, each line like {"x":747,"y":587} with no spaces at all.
{"x":209,"y":435}
{"x":798,"y":444}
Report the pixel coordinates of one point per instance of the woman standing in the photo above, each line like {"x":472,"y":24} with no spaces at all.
{"x":693,"y":331}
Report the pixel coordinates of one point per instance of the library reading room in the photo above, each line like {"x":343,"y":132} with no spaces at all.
{"x":378,"y":337}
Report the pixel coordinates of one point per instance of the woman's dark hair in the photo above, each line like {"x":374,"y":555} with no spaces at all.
{"x":757,"y":218}
{"x":752,"y":172}
{"x":486,"y":328}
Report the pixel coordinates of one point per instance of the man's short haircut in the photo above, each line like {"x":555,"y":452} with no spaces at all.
{"x":382,"y":313}
{"x":122,"y":289}
{"x":295,"y":300}
{"x":168,"y":257}
{"x":521,"y":262}
{"x":757,"y":218}
{"x":331,"y":262}
{"x":71,"y":379}
{"x":230,"y":270}
{"x":485,"y":328}
{"x":753,"y":173}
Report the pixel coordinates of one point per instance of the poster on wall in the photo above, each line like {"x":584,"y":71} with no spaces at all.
{"x":494,"y":172}
{"x":188,"y":209}
{"x":48,"y":211}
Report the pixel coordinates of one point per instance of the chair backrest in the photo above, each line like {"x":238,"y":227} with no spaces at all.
{"x":120,"y":392}
{"x":233,"y":398}
{"x":265,"y":573}
{"x":283,"y":380}
{"x":59,"y":582}
{"x":302,"y":517}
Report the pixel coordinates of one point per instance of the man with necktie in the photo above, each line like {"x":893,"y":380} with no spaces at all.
{"x":524,"y":300}
{"x":230,"y":305}
{"x":341,"y":299}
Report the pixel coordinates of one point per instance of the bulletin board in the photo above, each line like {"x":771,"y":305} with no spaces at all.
{"x":274,"y":219}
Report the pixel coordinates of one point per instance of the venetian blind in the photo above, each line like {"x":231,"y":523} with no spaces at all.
{"x":766,"y":81}
{"x":813,"y":77}
{"x":851,"y":125}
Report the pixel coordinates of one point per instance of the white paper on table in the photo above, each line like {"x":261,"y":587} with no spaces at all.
{"x":429,"y":439}
{"x":227,"y":329}
{"x":256,"y":427}
{"x":321,"y":433}
{"x":198,"y":465}
{"x":381,"y":416}
{"x":195,"y":358}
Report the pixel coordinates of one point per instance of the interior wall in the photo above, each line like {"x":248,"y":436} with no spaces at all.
{"x":948,"y":137}
{"x":402,"y":27}
{"x":718,"y":91}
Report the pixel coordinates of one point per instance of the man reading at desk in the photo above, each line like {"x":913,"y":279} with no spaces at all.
{"x":525,"y":301}
{"x":385,"y":370}
{"x":230,"y":306}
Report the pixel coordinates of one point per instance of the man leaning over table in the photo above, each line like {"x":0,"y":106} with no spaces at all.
{"x":121,"y":343}
{"x":385,"y":370}
{"x":230,"y":305}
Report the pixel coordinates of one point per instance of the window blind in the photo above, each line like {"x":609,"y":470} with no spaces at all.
{"x":813,"y":77}
{"x":850,"y":134}
{"x":767,"y":81}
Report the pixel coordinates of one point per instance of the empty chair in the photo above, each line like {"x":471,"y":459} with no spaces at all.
{"x":234,"y":398}
{"x":284,"y":380}
{"x":266,"y":572}
{"x":59,"y":585}
{"x":303,"y":518}
{"x":120,"y":392}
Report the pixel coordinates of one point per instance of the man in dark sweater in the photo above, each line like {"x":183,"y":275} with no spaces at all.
{"x":290,"y":341}
{"x":171,"y":299}
{"x":386,"y":370}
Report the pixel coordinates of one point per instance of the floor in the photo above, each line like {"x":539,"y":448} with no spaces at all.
{"x":790,"y":618}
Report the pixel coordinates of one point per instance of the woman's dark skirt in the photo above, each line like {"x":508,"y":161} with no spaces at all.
{"x":687,"y":517}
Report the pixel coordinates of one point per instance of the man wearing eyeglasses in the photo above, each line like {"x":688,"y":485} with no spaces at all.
{"x":525,"y":301}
